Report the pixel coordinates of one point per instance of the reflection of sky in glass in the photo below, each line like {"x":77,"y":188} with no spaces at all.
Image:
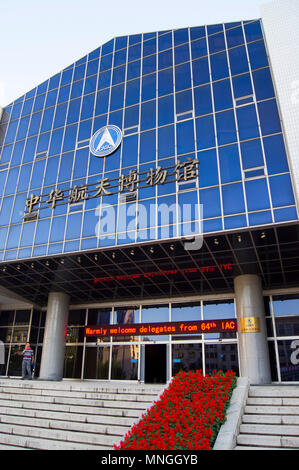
{"x":187,"y":313}
{"x":155,"y":315}
{"x":286,"y":307}
{"x":218,"y":311}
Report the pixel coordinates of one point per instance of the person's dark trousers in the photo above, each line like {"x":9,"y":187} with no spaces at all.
{"x":26,"y":367}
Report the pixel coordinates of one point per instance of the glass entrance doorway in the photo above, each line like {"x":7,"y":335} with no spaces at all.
{"x":155,"y":363}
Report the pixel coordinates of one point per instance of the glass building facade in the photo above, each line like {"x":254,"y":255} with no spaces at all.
{"x":200,"y":100}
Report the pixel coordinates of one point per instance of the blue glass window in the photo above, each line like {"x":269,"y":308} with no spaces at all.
{"x":104,"y":80}
{"x":106,"y":62}
{"x":148,"y":115}
{"x":39,"y":102}
{"x":247,"y":122}
{"x":183,"y":101}
{"x":133,"y":70}
{"x":275,"y":154}
{"x":165,"y":82}
{"x":130,"y":150}
{"x":92,"y":67}
{"x":57,"y":229}
{"x":210,"y":198}
{"x":147,"y":146}
{"x":66,"y":167}
{"x":77,"y":89}
{"x":180,"y":36}
{"x":23,"y":126}
{"x":165,"y":41}
{"x":257,"y":55}
{"x":70,"y":138}
{"x":252,"y":155}
{"x":229,"y":163}
{"x":288,"y":213}
{"x":13,"y":236}
{"x":166,"y":146}
{"x":16,"y":110}
{"x":120,"y":57}
{"x":185,"y":137}
{"x":253,"y":31}
{"x":181,"y":54}
{"x":226,"y":127}
{"x":90,"y":84}
{"x":165,"y":110}
{"x":263,"y":84}
{"x":2,"y":181}
{"x":260,"y":218}
{"x":134,"y":52}
{"x":149,"y":64}
{"x":5,"y":212}
{"x":257,"y":194}
{"x":233,"y":198}
{"x":87,"y":106}
{"x":74,"y":110}
{"x":64,"y":93}
{"x":11,"y":182}
{"x":119,"y":74}
{"x":199,"y":48}
{"x":27,"y":108}
{"x":269,"y":117}
{"x":238,"y":60}
{"x":281,"y":190}
{"x":222,"y":95}
{"x":66,"y":76}
{"x":102,"y":102}
{"x":37,"y":174}
{"x":165,"y":59}
{"x":182,"y":77}
{"x":29,"y":149}
{"x":24,"y":177}
{"x":43,"y":142}
{"x":60,"y":115}
{"x":203,"y":100}
{"x":51,"y":98}
{"x":216,"y":43}
{"x":17,"y":153}
{"x":51,"y":171}
{"x":54,"y":81}
{"x":234,"y":37}
{"x":47,"y":120}
{"x":197,"y":32}
{"x":3,"y":233}
{"x":149,"y":46}
{"x":73,"y":229}
{"x":205,"y":132}
{"x":148,"y":87}
{"x":27,"y":234}
{"x":42,"y":231}
{"x":56,"y":142}
{"x":242,"y":85}
{"x":11,"y":132}
{"x":208,"y":169}
{"x":131,"y":116}
{"x":34,"y":124}
{"x":117,"y":97}
{"x":81,"y":161}
{"x":132,"y":92}
{"x":219,"y":66}
{"x":201,"y":73}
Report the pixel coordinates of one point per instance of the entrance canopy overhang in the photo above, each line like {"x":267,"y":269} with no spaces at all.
{"x":160,"y":269}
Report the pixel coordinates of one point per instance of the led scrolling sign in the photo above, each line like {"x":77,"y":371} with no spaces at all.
{"x":182,"y":172}
{"x":173,"y":328}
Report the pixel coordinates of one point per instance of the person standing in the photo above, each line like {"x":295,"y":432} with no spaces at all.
{"x":27,"y":360}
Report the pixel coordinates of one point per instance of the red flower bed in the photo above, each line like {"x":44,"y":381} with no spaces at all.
{"x":187,"y":416}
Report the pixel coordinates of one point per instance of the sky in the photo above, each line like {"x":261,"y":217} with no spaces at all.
{"x":41,"y":37}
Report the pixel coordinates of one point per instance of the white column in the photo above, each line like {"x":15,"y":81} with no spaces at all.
{"x":54,"y":338}
{"x":253,"y":347}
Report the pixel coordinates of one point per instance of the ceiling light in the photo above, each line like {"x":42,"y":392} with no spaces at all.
{"x":263,"y":235}
{"x":62,"y":261}
{"x":171,"y":247}
{"x":216,"y":242}
{"x":96,"y":257}
{"x":132,"y":252}
{"x":152,"y":250}
{"x":113,"y":255}
{"x":239,"y":238}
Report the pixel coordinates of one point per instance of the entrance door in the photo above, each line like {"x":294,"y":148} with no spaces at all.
{"x":155,"y":363}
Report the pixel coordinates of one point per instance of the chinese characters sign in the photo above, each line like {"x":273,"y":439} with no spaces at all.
{"x":182,"y":172}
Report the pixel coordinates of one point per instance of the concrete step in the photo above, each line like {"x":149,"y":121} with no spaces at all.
{"x":65,"y":436}
{"x":29,"y":443}
{"x":70,"y":415}
{"x":270,"y":429}
{"x":77,"y":394}
{"x":88,"y":410}
{"x":271,"y":419}
{"x":268,"y":441}
{"x":276,"y":410}
{"x":61,"y":415}
{"x":273,"y":401}
{"x":78,"y":401}
{"x":274,"y":391}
